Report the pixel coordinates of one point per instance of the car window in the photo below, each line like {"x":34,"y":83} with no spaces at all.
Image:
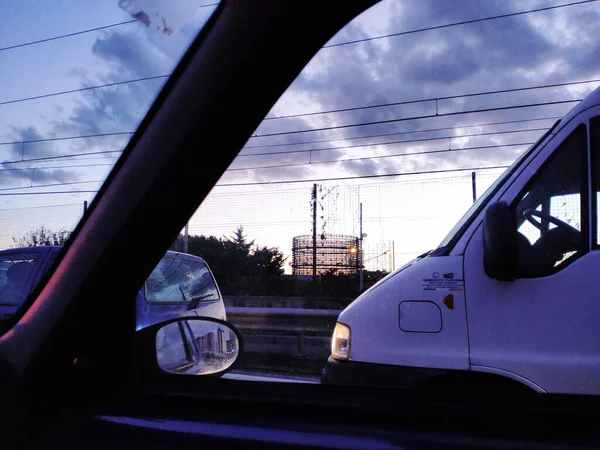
{"x":16,"y":270}
{"x":77,"y":79}
{"x":180,"y":280}
{"x":395,"y":128}
{"x":373,"y":153}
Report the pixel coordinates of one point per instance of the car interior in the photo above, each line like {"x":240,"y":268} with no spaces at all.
{"x":556,"y":189}
{"x":73,"y":369}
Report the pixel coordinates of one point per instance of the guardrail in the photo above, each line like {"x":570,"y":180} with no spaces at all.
{"x":284,"y":339}
{"x":257,"y":301}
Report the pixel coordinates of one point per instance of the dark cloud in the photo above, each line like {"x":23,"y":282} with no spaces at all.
{"x":547,"y":47}
{"x":130,"y":52}
{"x":14,"y":176}
{"x":445,"y":64}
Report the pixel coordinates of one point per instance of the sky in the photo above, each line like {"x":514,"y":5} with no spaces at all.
{"x":412,"y":212}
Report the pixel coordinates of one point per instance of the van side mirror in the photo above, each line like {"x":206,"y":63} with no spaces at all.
{"x":500,"y":242}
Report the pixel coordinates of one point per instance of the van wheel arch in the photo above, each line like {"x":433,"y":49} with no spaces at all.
{"x":476,"y":381}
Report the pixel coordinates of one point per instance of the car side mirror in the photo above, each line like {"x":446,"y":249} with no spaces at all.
{"x":500,"y":242}
{"x":189,"y":346}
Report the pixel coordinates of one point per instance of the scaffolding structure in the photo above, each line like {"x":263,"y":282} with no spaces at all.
{"x":336,"y":254}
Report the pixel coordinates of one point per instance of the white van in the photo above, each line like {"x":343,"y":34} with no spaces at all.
{"x":513,"y":291}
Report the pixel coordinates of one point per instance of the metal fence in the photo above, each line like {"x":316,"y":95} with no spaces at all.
{"x":400,"y":218}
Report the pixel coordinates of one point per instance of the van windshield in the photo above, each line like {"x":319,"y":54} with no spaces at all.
{"x":485,"y":196}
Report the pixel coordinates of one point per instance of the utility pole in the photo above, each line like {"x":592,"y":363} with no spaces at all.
{"x":85,"y":207}
{"x":360,"y":252}
{"x":393,"y":256}
{"x":185,"y":238}
{"x":474,"y":186}
{"x":314,"y":239}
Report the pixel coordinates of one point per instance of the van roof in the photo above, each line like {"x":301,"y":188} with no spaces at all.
{"x":591,"y":100}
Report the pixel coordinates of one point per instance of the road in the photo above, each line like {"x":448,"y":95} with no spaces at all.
{"x":271,"y":377}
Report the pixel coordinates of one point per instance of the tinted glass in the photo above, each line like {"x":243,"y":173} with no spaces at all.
{"x":16,"y":269}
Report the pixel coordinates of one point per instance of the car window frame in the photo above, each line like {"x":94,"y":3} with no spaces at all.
{"x":188,"y":390}
{"x":135,"y":204}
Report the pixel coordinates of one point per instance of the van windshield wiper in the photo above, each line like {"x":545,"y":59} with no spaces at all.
{"x":194,"y":302}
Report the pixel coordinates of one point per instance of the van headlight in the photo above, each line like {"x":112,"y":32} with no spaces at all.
{"x":340,"y":342}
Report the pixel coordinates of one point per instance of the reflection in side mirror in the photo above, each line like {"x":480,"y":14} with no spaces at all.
{"x":197,"y":346}
{"x":500,"y":242}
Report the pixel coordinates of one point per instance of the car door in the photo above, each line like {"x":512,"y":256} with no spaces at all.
{"x":542,"y":328}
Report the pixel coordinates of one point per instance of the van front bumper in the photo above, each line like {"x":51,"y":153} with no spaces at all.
{"x":361,"y":373}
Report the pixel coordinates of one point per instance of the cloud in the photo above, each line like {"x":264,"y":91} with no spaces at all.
{"x":131,"y":54}
{"x":546,"y":47}
{"x":124,"y":54}
{"x":16,"y":176}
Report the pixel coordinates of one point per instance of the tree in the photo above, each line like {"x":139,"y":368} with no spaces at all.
{"x":238,"y":239}
{"x":239,"y":265}
{"x":43,"y":236}
{"x":268,"y":261}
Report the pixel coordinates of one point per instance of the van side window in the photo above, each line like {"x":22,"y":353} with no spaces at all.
{"x":549,"y":211}
{"x":179,"y":280}
{"x":595,"y":162}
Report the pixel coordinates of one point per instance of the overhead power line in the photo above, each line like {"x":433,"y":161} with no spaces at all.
{"x":319,"y":180}
{"x":47,"y":158}
{"x":429,"y":130}
{"x":370,"y":158}
{"x":408,"y":141}
{"x":433,"y":99}
{"x":74,"y":166}
{"x":454,"y":24}
{"x":426,"y":116}
{"x":316,"y":180}
{"x":5,"y":194}
{"x":51,"y":185}
{"x":125,"y":133}
{"x":43,"y":206}
{"x":68,"y":138}
{"x":88,"y":88}
{"x":78,"y":33}
{"x":63,"y":36}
